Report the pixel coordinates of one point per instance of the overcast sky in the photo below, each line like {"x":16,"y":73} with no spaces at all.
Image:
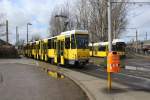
{"x":138,"y":18}
{"x":20,"y":12}
{"x":37,"y":12}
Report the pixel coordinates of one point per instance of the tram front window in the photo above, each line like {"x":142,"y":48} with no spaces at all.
{"x":82,"y":41}
{"x":120,"y":46}
{"x":102,"y":48}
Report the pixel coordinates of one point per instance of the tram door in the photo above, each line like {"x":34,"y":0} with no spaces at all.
{"x":60,"y":52}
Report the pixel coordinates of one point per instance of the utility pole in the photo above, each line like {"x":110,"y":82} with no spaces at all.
{"x":146,"y":36}
{"x":115,"y":30}
{"x":109,"y":26}
{"x":109,"y":38}
{"x":17,"y":36}
{"x":136,"y":40}
{"x":7,"y":31}
{"x":27,"y":33}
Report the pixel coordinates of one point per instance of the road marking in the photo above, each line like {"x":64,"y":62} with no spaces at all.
{"x":137,"y":68}
{"x":131,"y":67}
{"x":135,"y":77}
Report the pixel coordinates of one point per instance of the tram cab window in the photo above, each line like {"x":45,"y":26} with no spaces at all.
{"x":114,"y":47}
{"x":82,"y":41}
{"x":73,"y":46}
{"x":67,"y":43}
{"x":120,"y":46}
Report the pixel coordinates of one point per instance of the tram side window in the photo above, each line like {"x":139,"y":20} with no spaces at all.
{"x":52,"y":44}
{"x":67,"y":43}
{"x":33,"y":46}
{"x":62,"y":45}
{"x":73,"y":42}
{"x":43,"y":46}
{"x":90,"y":47}
{"x":49,"y":44}
{"x":38,"y":46}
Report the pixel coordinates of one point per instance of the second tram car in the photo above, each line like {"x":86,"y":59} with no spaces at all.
{"x":100,"y":49}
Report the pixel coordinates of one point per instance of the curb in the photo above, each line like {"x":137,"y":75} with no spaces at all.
{"x":89,"y":95}
{"x":65,"y":71}
{"x":85,"y":90}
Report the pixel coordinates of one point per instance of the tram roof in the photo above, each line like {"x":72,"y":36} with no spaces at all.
{"x":75,"y":32}
{"x":52,"y":37}
{"x":117,"y":40}
{"x":106,"y":43}
{"x":101,"y":43}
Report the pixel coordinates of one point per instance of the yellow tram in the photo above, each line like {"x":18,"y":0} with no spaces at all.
{"x":100,"y":49}
{"x":72,"y":47}
{"x":69,"y":47}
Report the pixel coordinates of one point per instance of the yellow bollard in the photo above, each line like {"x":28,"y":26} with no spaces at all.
{"x":113,"y":66}
{"x":109,"y":81}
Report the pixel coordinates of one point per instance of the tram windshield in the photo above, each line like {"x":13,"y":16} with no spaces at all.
{"x":102,"y":48}
{"x":82,"y":41}
{"x":120,"y":46}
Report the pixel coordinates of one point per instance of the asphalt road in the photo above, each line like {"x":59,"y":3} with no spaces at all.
{"x":138,"y":61}
{"x":129,"y":80}
{"x":133,"y":78}
{"x":141,"y":64}
{"x":28,"y":82}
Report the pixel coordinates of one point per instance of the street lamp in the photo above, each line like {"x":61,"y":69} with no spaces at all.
{"x":28,"y":30}
{"x":17,"y":37}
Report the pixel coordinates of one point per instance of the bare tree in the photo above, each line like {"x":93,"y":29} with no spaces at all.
{"x":2,"y":24}
{"x":98,"y":19}
{"x":90,"y":15}
{"x":59,"y":20}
